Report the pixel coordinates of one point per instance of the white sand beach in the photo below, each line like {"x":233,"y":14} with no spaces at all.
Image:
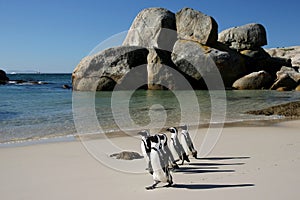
{"x":247,"y":163}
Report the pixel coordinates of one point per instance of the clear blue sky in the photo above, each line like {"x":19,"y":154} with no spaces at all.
{"x":54,"y":35}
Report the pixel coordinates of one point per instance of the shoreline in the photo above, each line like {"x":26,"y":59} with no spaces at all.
{"x":246,"y":163}
{"x":114,"y":134}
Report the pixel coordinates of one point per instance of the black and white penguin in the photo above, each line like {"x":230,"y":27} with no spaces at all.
{"x":161,"y":173}
{"x":175,"y":146}
{"x":168,"y":157}
{"x":187,"y":142}
{"x":146,"y":148}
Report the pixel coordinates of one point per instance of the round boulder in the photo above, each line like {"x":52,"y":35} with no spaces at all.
{"x":253,"y":81}
{"x":250,"y":36}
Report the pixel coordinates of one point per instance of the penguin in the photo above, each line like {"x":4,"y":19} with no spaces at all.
{"x":175,"y":146}
{"x":187,"y":142}
{"x":161,"y":173}
{"x":169,"y":159}
{"x":146,"y":148}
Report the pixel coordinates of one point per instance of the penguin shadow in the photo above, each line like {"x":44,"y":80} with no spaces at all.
{"x":215,"y":164}
{"x":210,"y":167}
{"x":201,"y":170}
{"x":225,"y":158}
{"x":210,"y":186}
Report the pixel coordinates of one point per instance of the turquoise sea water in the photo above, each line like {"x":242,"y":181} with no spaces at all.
{"x":34,"y":112}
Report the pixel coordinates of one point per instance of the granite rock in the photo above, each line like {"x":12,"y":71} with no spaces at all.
{"x":195,"y":26}
{"x":253,"y":81}
{"x":249,"y":36}
{"x":153,"y":27}
{"x":108,"y":68}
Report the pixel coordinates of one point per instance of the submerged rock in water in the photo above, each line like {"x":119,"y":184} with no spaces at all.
{"x":65,"y":86}
{"x":289,"y":110}
{"x":3,"y":78}
{"x":127,"y":155}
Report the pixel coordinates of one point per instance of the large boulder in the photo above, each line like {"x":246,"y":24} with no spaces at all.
{"x":153,"y":27}
{"x":292,"y":53}
{"x":104,"y":70}
{"x":291,"y":72}
{"x":196,"y":26}
{"x":3,"y":78}
{"x":284,"y":81}
{"x":259,"y":59}
{"x":198,"y":62}
{"x":159,"y":70}
{"x":253,"y":81}
{"x":287,"y":78}
{"x":249,"y":36}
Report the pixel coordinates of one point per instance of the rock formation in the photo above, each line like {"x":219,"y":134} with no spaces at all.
{"x":163,"y":50}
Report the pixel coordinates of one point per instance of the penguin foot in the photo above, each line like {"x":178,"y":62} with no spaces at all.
{"x":169,"y":184}
{"x":194,"y":154}
{"x":153,"y":186}
{"x":150,"y":187}
{"x":175,"y":166}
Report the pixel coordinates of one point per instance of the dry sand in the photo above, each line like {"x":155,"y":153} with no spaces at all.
{"x":247,"y":163}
